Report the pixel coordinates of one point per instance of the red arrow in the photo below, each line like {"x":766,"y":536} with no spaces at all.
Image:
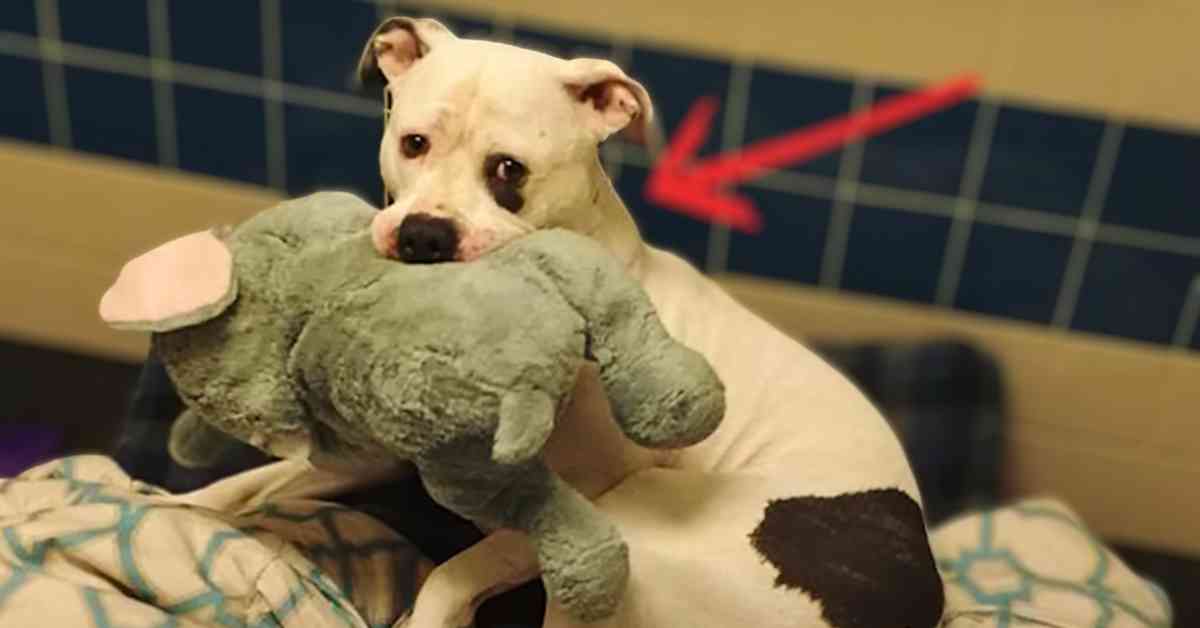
{"x":697,"y":189}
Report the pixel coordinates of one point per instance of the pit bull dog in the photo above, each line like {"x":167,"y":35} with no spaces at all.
{"x":800,"y":511}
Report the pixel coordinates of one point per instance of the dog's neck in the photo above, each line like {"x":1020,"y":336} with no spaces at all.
{"x":609,"y":222}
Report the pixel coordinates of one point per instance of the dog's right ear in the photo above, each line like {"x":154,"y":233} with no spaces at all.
{"x":395,"y":45}
{"x":184,"y":282}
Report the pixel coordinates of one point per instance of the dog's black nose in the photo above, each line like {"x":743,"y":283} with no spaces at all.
{"x":425,"y":239}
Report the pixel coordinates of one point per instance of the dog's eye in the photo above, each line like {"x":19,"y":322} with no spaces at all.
{"x":414,"y":145}
{"x":507,"y":170}
{"x":504,"y":177}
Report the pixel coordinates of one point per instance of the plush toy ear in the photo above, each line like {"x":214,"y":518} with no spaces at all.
{"x":183,"y":282}
{"x":609,"y":101}
{"x":395,"y":45}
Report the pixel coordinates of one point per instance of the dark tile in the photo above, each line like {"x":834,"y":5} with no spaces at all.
{"x":662,"y":227}
{"x":1012,"y":272}
{"x":1154,"y":185}
{"x":784,"y":102}
{"x":18,"y":16}
{"x":23,"y":110}
{"x":111,"y":114}
{"x":1135,"y":293}
{"x":466,"y":26}
{"x":327,"y":150}
{"x":460,"y":24}
{"x":225,"y":34}
{"x":792,"y":242}
{"x":220,"y":134}
{"x":114,"y":24}
{"x":895,"y":253}
{"x":562,"y":45}
{"x":927,"y":154}
{"x":322,"y":42}
{"x":675,"y":83}
{"x":1041,"y":160}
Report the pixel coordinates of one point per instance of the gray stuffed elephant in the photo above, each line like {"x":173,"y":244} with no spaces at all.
{"x":292,"y":334}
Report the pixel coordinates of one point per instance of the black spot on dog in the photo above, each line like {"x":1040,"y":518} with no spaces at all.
{"x":506,"y":196}
{"x":864,"y":556}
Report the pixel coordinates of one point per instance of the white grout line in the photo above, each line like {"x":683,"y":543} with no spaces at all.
{"x":914,"y":201}
{"x":1086,"y":229}
{"x":837,"y":240}
{"x":1149,"y":240}
{"x":49,"y":51}
{"x":978,"y":150}
{"x":791,"y":182}
{"x":733,"y":134}
{"x":1189,"y":317}
{"x":274,"y":93}
{"x":191,"y":75}
{"x":1025,"y":219}
{"x":158,"y":18}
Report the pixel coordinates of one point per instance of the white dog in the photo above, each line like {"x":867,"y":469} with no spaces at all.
{"x":800,"y":511}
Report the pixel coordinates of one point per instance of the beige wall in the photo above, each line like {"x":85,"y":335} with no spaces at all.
{"x":67,"y":224}
{"x":1130,"y":59}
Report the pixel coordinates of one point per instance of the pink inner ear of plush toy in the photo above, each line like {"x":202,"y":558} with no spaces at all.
{"x":183,"y":282}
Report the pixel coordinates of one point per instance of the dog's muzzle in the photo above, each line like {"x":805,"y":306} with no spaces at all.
{"x":425,"y":239}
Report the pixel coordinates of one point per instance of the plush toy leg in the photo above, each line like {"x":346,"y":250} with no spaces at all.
{"x":197,"y":445}
{"x":585,"y":562}
{"x":583,"y":559}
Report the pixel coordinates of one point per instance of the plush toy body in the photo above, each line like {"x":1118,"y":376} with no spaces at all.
{"x":291,"y":333}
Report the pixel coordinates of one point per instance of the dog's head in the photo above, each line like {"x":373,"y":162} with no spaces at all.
{"x":486,"y":141}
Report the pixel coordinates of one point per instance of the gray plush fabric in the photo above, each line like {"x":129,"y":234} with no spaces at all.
{"x":334,"y":352}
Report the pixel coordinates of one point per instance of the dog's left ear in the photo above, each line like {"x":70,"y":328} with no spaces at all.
{"x":395,"y":45}
{"x":609,"y":101}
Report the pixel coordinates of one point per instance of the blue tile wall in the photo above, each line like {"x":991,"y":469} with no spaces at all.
{"x":1134,"y":293}
{"x":895,"y":253}
{"x":927,"y":155}
{"x":111,"y":114}
{"x":327,"y":149}
{"x":119,"y":25}
{"x":678,"y":233}
{"x":1156,"y":182}
{"x":459,"y":24}
{"x":23,"y":110}
{"x":18,"y":16}
{"x":567,"y":47}
{"x":1144,"y":257}
{"x":660,"y":71}
{"x":1041,"y":160}
{"x":782,"y":102}
{"x":322,"y":42}
{"x":221,"y":134}
{"x":1022,"y":286}
{"x":222,"y":34}
{"x":794,"y":245}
